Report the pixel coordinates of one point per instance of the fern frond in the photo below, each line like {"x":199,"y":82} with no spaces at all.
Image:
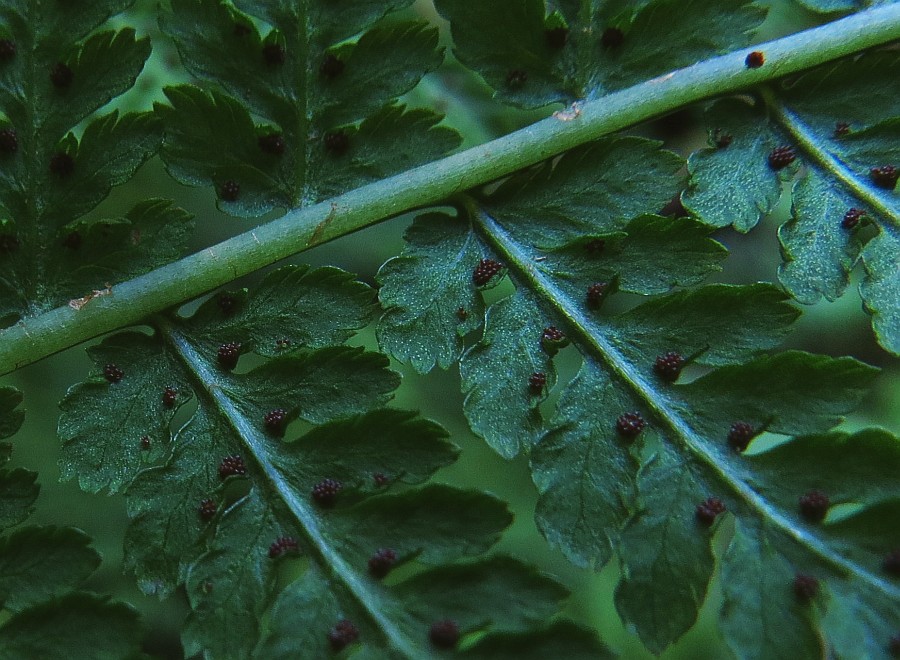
{"x":56,"y":71}
{"x":534,"y":53}
{"x":39,"y":568}
{"x":323,"y":86}
{"x":629,"y":461}
{"x":842,"y":123}
{"x":225,"y":503}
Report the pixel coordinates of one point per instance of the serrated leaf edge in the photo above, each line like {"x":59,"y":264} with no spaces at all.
{"x":340,"y":569}
{"x":613,"y":360}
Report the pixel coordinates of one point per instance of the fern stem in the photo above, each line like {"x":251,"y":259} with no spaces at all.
{"x":300,"y":229}
{"x":299,"y":507}
{"x":590,"y":339}
{"x":804,"y":138}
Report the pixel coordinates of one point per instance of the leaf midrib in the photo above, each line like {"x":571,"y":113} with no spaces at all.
{"x":616,"y":362}
{"x":804,"y":138}
{"x":341,"y":571}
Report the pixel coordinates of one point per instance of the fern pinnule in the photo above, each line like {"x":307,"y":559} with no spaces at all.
{"x":224,"y":505}
{"x":41,"y":568}
{"x":58,"y":72}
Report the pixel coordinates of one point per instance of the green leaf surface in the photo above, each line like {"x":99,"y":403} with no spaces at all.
{"x":733,"y":184}
{"x":425,"y":294}
{"x":321,"y":87}
{"x":560,"y":640}
{"x":584,"y":479}
{"x":631,"y":258}
{"x":11,"y":418}
{"x":424,"y":289}
{"x":663,"y":601}
{"x":87,"y":626}
{"x":11,"y":415}
{"x":62,"y":72}
{"x":266,"y":322}
{"x":841,"y":119}
{"x":833,"y":6}
{"x":761,"y":615}
{"x":652,"y":498}
{"x":598,"y":180}
{"x":211,"y":500}
{"x":508,"y":44}
{"x":880,"y":289}
{"x":511,"y":351}
{"x":790,"y":393}
{"x":500,"y":594}
{"x":18,"y":492}
{"x":717,"y":323}
{"x":818,"y":254}
{"x":38,"y":564}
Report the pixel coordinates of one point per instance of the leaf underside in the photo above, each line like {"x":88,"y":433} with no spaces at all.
{"x":605,"y":494}
{"x":640,"y":459}
{"x":274,"y":502}
{"x":302,"y":110}
{"x":200,"y":521}
{"x":61,"y":70}
{"x":842,"y":121}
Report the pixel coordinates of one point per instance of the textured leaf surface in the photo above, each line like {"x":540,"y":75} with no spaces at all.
{"x":231,"y":504}
{"x":424,"y":289}
{"x":571,"y":237}
{"x":560,"y":640}
{"x":607,"y":45}
{"x":842,"y":6}
{"x":324,"y":87}
{"x":842,"y":121}
{"x":18,"y":490}
{"x":63,"y":71}
{"x":11,"y":415}
{"x":426,"y":294}
{"x":737,"y":162}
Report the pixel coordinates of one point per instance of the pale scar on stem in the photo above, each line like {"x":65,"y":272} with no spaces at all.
{"x":78,"y":303}
{"x":573,"y":112}
{"x":663,"y":78}
{"x":320,"y":228}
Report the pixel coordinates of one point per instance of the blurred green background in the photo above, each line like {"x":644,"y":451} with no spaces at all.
{"x":839,"y":328}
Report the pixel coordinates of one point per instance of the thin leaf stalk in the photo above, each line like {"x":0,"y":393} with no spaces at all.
{"x":300,"y":229}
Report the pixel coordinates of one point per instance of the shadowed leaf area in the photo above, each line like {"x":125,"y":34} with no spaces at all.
{"x":39,"y":568}
{"x":301,"y":109}
{"x":59,"y":159}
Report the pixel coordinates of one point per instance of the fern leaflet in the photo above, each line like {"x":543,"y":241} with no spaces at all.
{"x":39,"y":568}
{"x":303,"y":79}
{"x":223,"y":503}
{"x":57,"y":72}
{"x":841,"y":121}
